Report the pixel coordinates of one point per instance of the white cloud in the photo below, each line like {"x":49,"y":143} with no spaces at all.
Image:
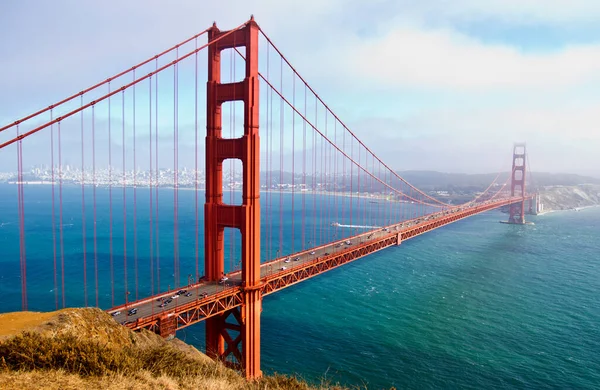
{"x":521,"y":11}
{"x":397,"y":52}
{"x":559,"y":140}
{"x":447,"y":59}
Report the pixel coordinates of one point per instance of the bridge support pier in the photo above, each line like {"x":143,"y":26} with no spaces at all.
{"x":399,"y":239}
{"x":167,"y":325}
{"x":244,"y":346}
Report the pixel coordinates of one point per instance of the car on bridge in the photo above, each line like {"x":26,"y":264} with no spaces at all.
{"x":115,"y":313}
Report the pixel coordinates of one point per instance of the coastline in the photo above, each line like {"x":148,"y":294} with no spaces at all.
{"x":569,"y":209}
{"x":346,"y":194}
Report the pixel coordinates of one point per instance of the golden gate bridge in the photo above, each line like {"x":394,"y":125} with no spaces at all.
{"x":258,"y":114}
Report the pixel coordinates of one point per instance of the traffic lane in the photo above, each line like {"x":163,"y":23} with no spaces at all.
{"x":153,"y":307}
{"x":147,"y":309}
{"x":307,"y":257}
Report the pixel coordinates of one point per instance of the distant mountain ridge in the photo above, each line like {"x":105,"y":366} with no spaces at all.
{"x":435,"y":180}
{"x":430,"y":180}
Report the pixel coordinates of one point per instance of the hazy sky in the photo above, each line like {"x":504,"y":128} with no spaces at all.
{"x":443,"y":85}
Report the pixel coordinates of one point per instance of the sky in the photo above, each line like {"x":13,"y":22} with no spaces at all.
{"x":428,"y":85}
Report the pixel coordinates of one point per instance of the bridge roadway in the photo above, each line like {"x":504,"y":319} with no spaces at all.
{"x":207,"y":299}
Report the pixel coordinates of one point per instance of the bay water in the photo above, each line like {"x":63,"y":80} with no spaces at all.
{"x":476,"y":304}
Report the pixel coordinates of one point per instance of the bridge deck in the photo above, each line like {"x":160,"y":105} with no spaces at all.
{"x":211,"y":298}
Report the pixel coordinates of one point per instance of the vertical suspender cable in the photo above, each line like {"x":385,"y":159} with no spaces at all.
{"x":268,"y":195}
{"x":21,"y":210}
{"x":358,"y":199}
{"x":94,"y":201}
{"x":304,"y":174}
{"x":151,"y":190}
{"x":60,"y":221}
{"x":314,"y":178}
{"x":344,"y":190}
{"x":352,"y":183}
{"x":157,"y":183}
{"x":124,"y":196}
{"x":293,"y":159}
{"x":110,"y":208}
{"x":196,"y":231}
{"x":53,"y":212}
{"x":324,"y":196}
{"x":175,"y":173}
{"x":281,"y":163}
{"x":85,"y":297}
{"x":135,"y":247}
{"x":335,"y":178}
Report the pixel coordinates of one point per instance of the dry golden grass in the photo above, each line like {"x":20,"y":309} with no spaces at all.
{"x":87,"y":349}
{"x":12,"y":323}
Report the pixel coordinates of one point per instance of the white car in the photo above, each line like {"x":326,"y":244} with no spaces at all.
{"x":115,"y":313}
{"x":175,"y":296}
{"x":223,"y":279}
{"x":283,"y":268}
{"x":312,"y":253}
{"x":287,"y":260}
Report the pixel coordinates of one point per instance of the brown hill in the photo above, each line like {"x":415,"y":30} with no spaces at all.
{"x":87,"y":349}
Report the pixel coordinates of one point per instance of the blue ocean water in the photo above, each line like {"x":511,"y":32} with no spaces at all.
{"x":476,"y":304}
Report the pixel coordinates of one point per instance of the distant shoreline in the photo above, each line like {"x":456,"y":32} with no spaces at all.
{"x":346,"y":194}
{"x":569,"y":209}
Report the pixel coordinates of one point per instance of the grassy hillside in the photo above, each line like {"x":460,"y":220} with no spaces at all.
{"x":87,"y":349}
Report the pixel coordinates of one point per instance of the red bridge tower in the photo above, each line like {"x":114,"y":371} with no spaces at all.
{"x":517,"y":184}
{"x":234,"y":336}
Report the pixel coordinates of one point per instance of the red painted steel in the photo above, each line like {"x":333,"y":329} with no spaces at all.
{"x":245,"y":348}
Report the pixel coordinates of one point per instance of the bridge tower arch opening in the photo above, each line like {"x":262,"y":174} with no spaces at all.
{"x":234,"y":336}
{"x":517,"y":184}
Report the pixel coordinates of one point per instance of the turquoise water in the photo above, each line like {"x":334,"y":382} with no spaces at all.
{"x":476,"y":304}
